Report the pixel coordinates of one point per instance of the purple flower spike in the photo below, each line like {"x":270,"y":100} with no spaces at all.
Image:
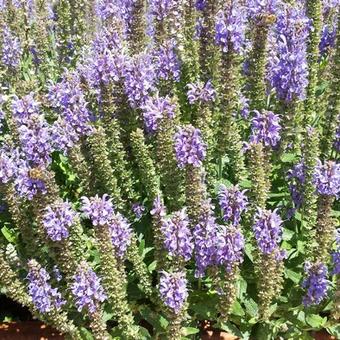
{"x":296,"y":177}
{"x":327,"y":41}
{"x":7,"y":166}
{"x":155,"y":109}
{"x":337,"y":137}
{"x":265,"y":128}
{"x":173,"y":290}
{"x":139,"y":80}
{"x":200,"y":92}
{"x":121,"y":234}
{"x":200,"y":4}
{"x":68,"y":99}
{"x":327,"y":178}
{"x":233,"y":203}
{"x":58,"y":219}
{"x":36,"y":140}
{"x":189,"y":146}
{"x":160,"y":9}
{"x":138,"y":210}
{"x":98,"y":209}
{"x":87,"y":289}
{"x":288,"y":64}
{"x":44,"y":297}
{"x":336,"y":262}
{"x":177,"y":236}
{"x":231,"y":27}
{"x":205,"y":238}
{"x":24,"y":108}
{"x":315,"y":283}
{"x":268,"y":230}
{"x":336,"y":255}
{"x":230,"y":246}
{"x":258,"y":8}
{"x":167,"y":64}
{"x":11,"y":49}
{"x":26,"y":185}
{"x":158,"y":208}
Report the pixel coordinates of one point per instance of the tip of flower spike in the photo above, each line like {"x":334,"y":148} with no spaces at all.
{"x":189,"y":146}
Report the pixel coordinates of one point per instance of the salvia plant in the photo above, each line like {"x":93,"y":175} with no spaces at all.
{"x":167,"y":163}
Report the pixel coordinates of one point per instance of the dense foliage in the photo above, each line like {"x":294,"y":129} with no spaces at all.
{"x":166,"y":162}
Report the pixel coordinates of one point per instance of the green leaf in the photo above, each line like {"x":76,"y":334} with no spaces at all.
{"x":295,"y":277}
{"x":230,"y":328}
{"x":246,"y":183}
{"x":155,"y":319}
{"x":85,"y":334}
{"x":9,"y":234}
{"x":107,"y":316}
{"x":288,"y":157}
{"x":241,"y":288}
{"x":248,"y":249}
{"x":237,"y":309}
{"x":287,"y":234}
{"x":251,"y":307}
{"x":152,"y":266}
{"x":316,"y":321}
{"x":334,"y":330}
{"x":146,"y":250}
{"x":190,"y":331}
{"x":141,"y":246}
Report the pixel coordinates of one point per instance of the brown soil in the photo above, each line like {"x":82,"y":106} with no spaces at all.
{"x":28,"y":330}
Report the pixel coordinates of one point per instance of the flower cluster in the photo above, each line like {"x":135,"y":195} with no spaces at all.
{"x":98,"y":209}
{"x":106,"y":62}
{"x":231,"y":27}
{"x":315,"y":283}
{"x":230,"y":247}
{"x":265,"y":128}
{"x":68,"y":99}
{"x":57,"y":220}
{"x":87,"y":289}
{"x":27,"y":184}
{"x":189,"y":147}
{"x":336,"y":254}
{"x":296,"y":176}
{"x":288,"y":63}
{"x":160,"y":9}
{"x":327,"y":178}
{"x":44,"y":297}
{"x":233,"y":203}
{"x":258,"y":8}
{"x":155,"y":109}
{"x":121,"y":234}
{"x":101,"y":212}
{"x":337,"y":138}
{"x":36,"y":140}
{"x":7,"y":166}
{"x":173,"y":290}
{"x":268,"y":230}
{"x":138,"y":210}
{"x":139,"y":79}
{"x":200,"y":92}
{"x":205,"y":239}
{"x":167,"y":64}
{"x":216,"y":245}
{"x":177,"y":236}
{"x":11,"y":50}
{"x":158,"y":208}
{"x":24,"y":108}
{"x":244,"y":106}
{"x":327,"y":41}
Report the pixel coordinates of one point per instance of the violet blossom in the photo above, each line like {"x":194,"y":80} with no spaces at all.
{"x":189,"y":147}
